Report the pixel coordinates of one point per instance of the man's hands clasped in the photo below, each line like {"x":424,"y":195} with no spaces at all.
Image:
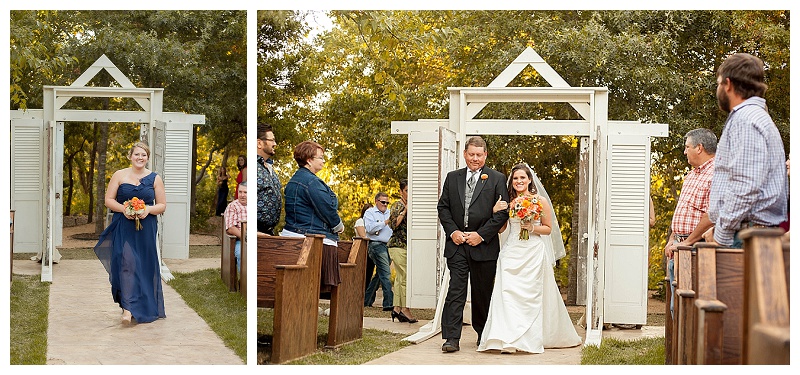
{"x":470,"y":238}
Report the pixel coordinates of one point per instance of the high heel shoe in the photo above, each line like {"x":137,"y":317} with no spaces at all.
{"x":403,"y":318}
{"x":400,"y":316}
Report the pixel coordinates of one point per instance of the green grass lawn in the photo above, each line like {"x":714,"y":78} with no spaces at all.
{"x":225,"y":312}
{"x":28,"y":330}
{"x":646,"y":351}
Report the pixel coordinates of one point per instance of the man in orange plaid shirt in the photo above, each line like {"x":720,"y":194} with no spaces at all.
{"x":235,"y":214}
{"x":690,"y":219}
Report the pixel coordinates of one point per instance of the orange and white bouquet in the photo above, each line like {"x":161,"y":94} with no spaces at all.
{"x":134,"y":207}
{"x":526,"y":208}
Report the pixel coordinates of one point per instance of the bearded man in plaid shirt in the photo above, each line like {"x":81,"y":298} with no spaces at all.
{"x":690,"y":219}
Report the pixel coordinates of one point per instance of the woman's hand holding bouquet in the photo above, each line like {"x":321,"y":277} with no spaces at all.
{"x":526,"y":208}
{"x":133,"y":208}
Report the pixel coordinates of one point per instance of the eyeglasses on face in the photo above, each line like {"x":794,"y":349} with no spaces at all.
{"x":320,"y":158}
{"x":384,"y":202}
{"x":267,"y":139}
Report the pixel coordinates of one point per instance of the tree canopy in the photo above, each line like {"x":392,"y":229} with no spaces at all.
{"x":197,"y":57}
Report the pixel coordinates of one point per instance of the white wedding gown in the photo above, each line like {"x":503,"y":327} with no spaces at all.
{"x":526,"y":312}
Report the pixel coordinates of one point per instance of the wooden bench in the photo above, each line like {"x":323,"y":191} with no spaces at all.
{"x":288,"y":280}
{"x":684,"y":335}
{"x":243,"y":262}
{"x":766,"y":297}
{"x":233,"y":279}
{"x":668,"y":325}
{"x":347,"y":299}
{"x":719,"y":305}
{"x":227,"y":267}
{"x":786,"y":251}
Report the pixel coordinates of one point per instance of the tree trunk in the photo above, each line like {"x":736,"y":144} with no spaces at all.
{"x":102,"y":147}
{"x":70,"y":173}
{"x":193,"y":200}
{"x":90,"y":189}
{"x":68,"y":209}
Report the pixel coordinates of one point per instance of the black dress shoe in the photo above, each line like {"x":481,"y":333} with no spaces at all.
{"x":388,"y":308}
{"x":451,"y":345}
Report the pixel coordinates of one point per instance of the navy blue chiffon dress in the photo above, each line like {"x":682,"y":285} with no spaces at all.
{"x":130,"y":256}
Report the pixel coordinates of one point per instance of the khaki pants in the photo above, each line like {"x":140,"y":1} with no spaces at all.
{"x":399,"y":258}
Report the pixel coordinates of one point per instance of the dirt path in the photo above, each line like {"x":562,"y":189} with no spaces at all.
{"x":69,"y":242}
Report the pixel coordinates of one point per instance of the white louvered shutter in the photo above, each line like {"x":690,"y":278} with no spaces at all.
{"x":27,"y":191}
{"x":177,"y":179}
{"x":423,"y":227}
{"x":627,"y":223}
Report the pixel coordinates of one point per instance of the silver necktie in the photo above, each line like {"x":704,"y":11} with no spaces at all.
{"x":468,"y":196}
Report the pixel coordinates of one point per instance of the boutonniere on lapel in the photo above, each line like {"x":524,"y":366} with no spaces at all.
{"x":484,"y":177}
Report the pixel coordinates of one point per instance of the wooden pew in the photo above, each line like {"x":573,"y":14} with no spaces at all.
{"x":786,"y":251}
{"x":766,"y":316}
{"x":719,"y":305}
{"x":288,"y":280}
{"x":243,"y":263}
{"x":347,"y":299}
{"x":228,"y":261}
{"x":668,"y":326}
{"x":685,"y":269}
{"x":709,"y":310}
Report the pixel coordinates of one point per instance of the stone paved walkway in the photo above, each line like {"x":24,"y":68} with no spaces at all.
{"x":84,"y":323}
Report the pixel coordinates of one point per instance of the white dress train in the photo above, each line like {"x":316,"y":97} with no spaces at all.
{"x":526,"y":312}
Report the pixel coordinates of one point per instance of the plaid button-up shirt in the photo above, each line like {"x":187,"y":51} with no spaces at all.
{"x":694,"y":199}
{"x":235,"y":214}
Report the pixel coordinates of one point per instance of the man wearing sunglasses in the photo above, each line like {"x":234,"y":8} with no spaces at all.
{"x":376,"y":223}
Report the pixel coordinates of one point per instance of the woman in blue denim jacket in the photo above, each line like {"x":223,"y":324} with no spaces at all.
{"x":312,"y":208}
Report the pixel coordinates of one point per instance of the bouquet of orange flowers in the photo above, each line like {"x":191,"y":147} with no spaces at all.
{"x":526,"y":208}
{"x":134,"y":207}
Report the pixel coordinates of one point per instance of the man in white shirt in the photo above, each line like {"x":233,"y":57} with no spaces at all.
{"x":376,"y":223}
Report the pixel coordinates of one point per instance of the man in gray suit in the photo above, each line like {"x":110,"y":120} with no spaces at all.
{"x":472,"y":246}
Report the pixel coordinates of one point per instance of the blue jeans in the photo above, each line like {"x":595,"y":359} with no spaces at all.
{"x":737,"y":242}
{"x":379,"y":253}
{"x":237,"y":252}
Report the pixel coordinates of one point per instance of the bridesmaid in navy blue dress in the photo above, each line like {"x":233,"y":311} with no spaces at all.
{"x":129,"y":254}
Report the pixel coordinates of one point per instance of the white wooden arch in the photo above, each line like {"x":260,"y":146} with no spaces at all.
{"x":37,"y":141}
{"x":614,"y":196}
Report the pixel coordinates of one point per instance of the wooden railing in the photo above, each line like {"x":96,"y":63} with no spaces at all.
{"x":731,"y":305}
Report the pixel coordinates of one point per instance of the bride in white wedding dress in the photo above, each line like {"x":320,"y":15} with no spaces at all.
{"x":526,"y":311}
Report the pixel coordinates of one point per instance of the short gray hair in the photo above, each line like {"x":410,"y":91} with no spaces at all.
{"x":476,"y":141}
{"x":705,"y":137}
